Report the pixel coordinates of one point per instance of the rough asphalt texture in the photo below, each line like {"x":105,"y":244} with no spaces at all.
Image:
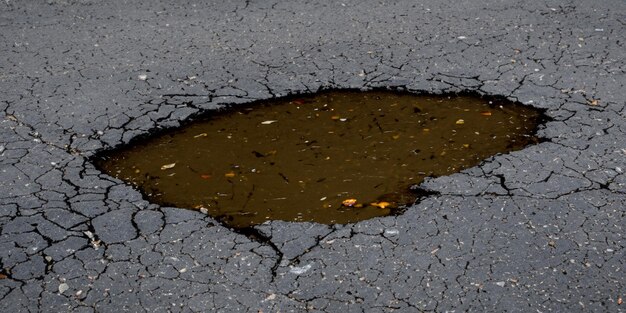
{"x":538,"y":230}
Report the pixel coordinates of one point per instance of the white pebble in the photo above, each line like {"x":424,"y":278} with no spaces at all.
{"x":391,"y":232}
{"x":300,"y":270}
{"x":63,"y":287}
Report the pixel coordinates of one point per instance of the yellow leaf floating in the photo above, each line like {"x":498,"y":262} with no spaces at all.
{"x":348,"y":202}
{"x":460,"y":122}
{"x":485,"y":113}
{"x":168,"y":166}
{"x":229,"y":175}
{"x":382,"y":204}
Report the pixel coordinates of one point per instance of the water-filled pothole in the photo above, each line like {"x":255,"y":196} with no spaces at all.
{"x":332,"y":157}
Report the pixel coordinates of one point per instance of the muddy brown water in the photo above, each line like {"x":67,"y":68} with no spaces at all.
{"x":333,"y":157}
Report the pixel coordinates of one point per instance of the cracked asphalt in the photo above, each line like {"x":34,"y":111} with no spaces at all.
{"x":537,"y":230}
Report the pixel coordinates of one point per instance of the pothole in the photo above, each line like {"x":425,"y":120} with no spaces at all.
{"x":331,"y":157}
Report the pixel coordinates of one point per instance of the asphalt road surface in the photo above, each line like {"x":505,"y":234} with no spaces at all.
{"x":537,"y":230}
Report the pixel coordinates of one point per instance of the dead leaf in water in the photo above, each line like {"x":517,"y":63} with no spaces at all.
{"x":200,"y":135}
{"x":168,"y":166}
{"x":485,"y":113}
{"x":205,"y":176}
{"x":460,"y":122}
{"x":348,"y":202}
{"x":229,"y":175}
{"x":269,"y":122}
{"x":382,"y":204}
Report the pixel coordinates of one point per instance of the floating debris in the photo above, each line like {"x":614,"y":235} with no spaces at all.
{"x":381,"y":204}
{"x":348,"y":202}
{"x":167,"y":166}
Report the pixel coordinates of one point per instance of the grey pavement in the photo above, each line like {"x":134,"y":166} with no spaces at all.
{"x":537,"y":230}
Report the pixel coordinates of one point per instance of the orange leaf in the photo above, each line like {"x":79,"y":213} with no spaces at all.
{"x":229,"y":175}
{"x":348,"y":202}
{"x":381,"y":204}
{"x":485,"y":113}
{"x":205,"y":176}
